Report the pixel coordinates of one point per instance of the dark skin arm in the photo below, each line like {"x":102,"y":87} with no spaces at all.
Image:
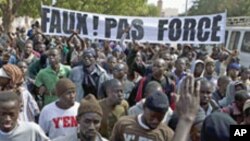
{"x":187,"y":107}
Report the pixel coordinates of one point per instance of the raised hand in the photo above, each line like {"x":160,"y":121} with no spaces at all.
{"x":189,"y":100}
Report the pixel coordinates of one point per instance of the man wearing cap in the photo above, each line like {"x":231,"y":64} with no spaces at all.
{"x":11,"y":78}
{"x":146,"y":126}
{"x":89,"y":76}
{"x":233,"y":71}
{"x":59,"y":118}
{"x":89,"y":118}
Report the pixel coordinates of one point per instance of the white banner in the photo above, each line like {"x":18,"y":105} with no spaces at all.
{"x":205,"y":29}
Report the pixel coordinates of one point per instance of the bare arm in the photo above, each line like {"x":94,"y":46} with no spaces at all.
{"x":187,"y":107}
{"x":124,"y":35}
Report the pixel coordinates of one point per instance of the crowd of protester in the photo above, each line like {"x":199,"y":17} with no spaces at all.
{"x":73,"y":88}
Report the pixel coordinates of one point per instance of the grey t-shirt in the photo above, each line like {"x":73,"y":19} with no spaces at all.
{"x":73,"y":137}
{"x":24,"y":131}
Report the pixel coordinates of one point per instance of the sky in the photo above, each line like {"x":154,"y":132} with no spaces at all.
{"x":179,"y":4}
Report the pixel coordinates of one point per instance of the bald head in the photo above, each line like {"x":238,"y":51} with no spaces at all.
{"x":151,"y":87}
{"x":110,"y":84}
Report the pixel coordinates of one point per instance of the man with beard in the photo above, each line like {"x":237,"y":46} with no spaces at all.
{"x":10,"y":128}
{"x":59,"y":118}
{"x":47,"y":78}
{"x":146,"y":126}
{"x":89,"y":76}
{"x":113,"y":107}
{"x":89,"y":118}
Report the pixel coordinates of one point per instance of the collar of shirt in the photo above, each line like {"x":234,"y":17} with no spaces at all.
{"x":144,"y":126}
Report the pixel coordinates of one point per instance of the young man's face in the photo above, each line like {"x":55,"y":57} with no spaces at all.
{"x":180,"y":65}
{"x":88,"y":59}
{"x":119,"y":71}
{"x":195,"y":132}
{"x":199,"y":68}
{"x":28,"y":48}
{"x":54,"y":57}
{"x":209,"y":68}
{"x":233,"y":73}
{"x":158,"y":68}
{"x":23,"y":66}
{"x":153,"y":119}
{"x":116,"y":94}
{"x":112,"y":62}
{"x":89,"y":125}
{"x":222,"y":85}
{"x":68,"y":98}
{"x":9,"y":112}
{"x":206,"y":91}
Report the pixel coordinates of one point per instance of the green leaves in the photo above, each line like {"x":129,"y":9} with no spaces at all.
{"x":114,"y":7}
{"x":233,"y":7}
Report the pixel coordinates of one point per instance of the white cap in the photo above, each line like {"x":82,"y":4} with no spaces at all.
{"x":3,"y":73}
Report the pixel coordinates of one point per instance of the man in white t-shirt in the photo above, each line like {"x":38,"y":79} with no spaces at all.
{"x":10,"y":128}
{"x":89,"y":118}
{"x":59,"y":118}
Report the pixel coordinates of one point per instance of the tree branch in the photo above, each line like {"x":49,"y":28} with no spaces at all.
{"x":16,"y":6}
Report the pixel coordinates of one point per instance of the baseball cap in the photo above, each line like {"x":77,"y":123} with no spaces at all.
{"x":234,"y":66}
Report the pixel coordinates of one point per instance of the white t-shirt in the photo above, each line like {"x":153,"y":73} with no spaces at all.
{"x":24,"y":131}
{"x":58,"y":122}
{"x":30,"y":107}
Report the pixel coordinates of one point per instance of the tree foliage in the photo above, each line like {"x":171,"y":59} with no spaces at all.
{"x":233,"y":7}
{"x":114,"y":7}
{"x":32,"y":8}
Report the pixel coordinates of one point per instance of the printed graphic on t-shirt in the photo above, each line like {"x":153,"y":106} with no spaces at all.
{"x":133,"y":137}
{"x":64,"y":122}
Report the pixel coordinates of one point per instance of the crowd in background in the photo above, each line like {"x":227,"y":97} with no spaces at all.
{"x":127,"y":90}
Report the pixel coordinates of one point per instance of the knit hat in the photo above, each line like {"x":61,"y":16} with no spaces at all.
{"x":216,"y":127}
{"x":158,"y":102}
{"x":63,"y":85}
{"x":89,"y":104}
